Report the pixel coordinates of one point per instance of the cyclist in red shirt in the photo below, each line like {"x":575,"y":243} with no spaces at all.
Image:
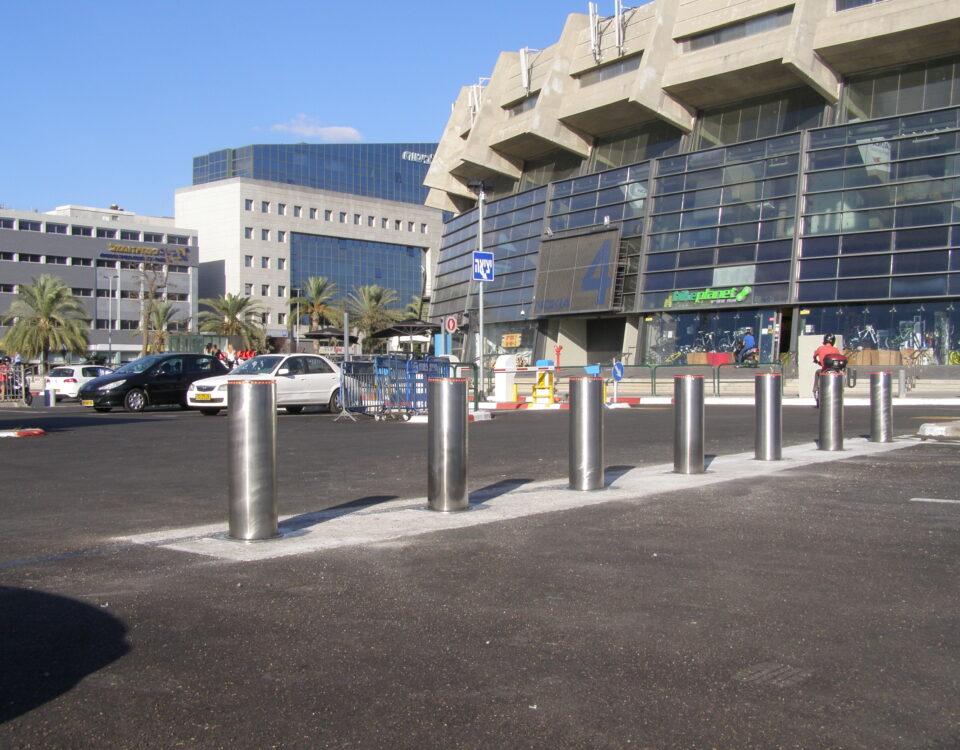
{"x":826,"y":348}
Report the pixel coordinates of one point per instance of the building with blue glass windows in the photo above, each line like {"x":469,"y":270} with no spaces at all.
{"x":268,"y":217}
{"x":661,"y":179}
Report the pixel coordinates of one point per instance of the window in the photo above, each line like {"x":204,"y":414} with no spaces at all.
{"x":248,"y":204}
{"x":265,"y":234}
{"x":614,"y":69}
{"x":423,"y":229}
{"x":281,"y":291}
{"x":81,"y":292}
{"x":56,"y":228}
{"x":909,"y":89}
{"x":356,"y":219}
{"x":370,"y":221}
{"x":397,"y":224}
{"x":179,"y":269}
{"x":104,"y":293}
{"x":248,"y":261}
{"x":328,"y":215}
{"x":264,"y":207}
{"x":848,"y":4}
{"x":313,"y":213}
{"x":799,"y":109}
{"x":29,"y":226}
{"x":297,"y":212}
{"x":129,"y":234}
{"x":106,"y":233}
{"x":248,"y":289}
{"x":281,"y":236}
{"x":104,"y":325}
{"x":101,"y":263}
{"x":265,"y":319}
{"x":176,"y":296}
{"x":739,"y":30}
{"x":409,"y":226}
{"x":57,"y":260}
{"x":343,"y":217}
{"x":129,"y":294}
{"x":6,"y":223}
{"x":129,"y":265}
{"x":281,"y":209}
{"x":29,"y":258}
{"x":524,"y":105}
{"x":81,"y":261}
{"x":264,"y":262}
{"x":248,"y":233}
{"x":152,"y":237}
{"x":5,"y":255}
{"x":129,"y":325}
{"x":281,"y":318}
{"x":383,"y":223}
{"x":177,"y":239}
{"x":264,"y":290}
{"x":281,"y":264}
{"x":81,"y":231}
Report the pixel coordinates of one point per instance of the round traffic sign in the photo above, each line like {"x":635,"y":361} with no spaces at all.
{"x":618,"y":371}
{"x":450,"y":324}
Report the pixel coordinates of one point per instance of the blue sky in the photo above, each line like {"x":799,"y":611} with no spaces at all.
{"x":108,"y":102}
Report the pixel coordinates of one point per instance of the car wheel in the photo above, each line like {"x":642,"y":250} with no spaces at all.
{"x":293,"y":409}
{"x":101,"y":408}
{"x":209,"y":412}
{"x":335,"y":404}
{"x":135,"y":400}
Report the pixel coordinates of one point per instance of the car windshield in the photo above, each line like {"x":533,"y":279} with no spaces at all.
{"x":258,"y":365}
{"x":61,"y":372}
{"x":139,"y":365}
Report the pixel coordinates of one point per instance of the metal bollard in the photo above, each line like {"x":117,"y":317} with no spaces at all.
{"x":586,"y":433}
{"x":901,"y":383}
{"x":447,"y":444}
{"x":252,"y":454}
{"x":49,"y":397}
{"x":831,"y":411}
{"x":688,"y":424}
{"x":881,"y":407}
{"x":767,"y":444}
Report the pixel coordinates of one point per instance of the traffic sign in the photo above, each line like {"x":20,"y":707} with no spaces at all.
{"x":482,"y":266}
{"x":618,"y":371}
{"x":450,"y":324}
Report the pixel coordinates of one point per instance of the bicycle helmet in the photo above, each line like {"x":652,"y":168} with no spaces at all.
{"x":829,"y":339}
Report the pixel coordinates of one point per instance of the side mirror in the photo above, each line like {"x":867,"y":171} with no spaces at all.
{"x":283,"y":371}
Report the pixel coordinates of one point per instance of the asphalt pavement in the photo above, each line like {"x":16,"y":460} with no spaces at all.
{"x":811,"y":604}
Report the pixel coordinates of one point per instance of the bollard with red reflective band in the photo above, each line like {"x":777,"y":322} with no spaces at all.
{"x":688,"y":424}
{"x":586,"y":434}
{"x":831,"y":411}
{"x":768,"y":438}
{"x":252,"y":454}
{"x":447,"y":444}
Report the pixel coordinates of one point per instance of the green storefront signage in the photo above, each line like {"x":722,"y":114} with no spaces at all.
{"x":701,"y":296}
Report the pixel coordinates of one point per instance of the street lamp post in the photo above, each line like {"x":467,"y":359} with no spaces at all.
{"x":480,"y":188}
{"x":110,"y":280}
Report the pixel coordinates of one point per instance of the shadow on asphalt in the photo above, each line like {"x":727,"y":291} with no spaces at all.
{"x":51,"y":423}
{"x":709,"y":459}
{"x":613,"y":473}
{"x":481,"y":495}
{"x":306,"y":520}
{"x":48,"y":644}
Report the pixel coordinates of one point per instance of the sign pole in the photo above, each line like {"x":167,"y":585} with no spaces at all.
{"x":481,"y":197}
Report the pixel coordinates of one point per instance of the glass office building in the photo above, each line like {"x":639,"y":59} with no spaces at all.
{"x":784,"y":213}
{"x":391,"y":171}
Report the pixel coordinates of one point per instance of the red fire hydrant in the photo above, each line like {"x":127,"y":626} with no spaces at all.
{"x":556,"y":350}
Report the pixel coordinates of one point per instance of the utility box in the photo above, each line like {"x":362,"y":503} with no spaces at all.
{"x":806,"y":368}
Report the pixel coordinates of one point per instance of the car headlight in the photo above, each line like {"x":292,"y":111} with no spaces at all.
{"x":111,"y":386}
{"x":222,"y":386}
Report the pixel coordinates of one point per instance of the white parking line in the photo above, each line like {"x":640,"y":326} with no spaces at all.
{"x":933,"y":500}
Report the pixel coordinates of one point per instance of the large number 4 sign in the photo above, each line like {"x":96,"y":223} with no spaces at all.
{"x":597,"y":276}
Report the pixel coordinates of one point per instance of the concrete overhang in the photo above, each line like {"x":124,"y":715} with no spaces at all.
{"x":736,"y":85}
{"x":609,"y":117}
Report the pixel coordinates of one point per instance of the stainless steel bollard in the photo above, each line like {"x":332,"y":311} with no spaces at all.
{"x":49,"y":397}
{"x":586,"y":433}
{"x":831,"y":411}
{"x":881,"y":407}
{"x":901,"y":382}
{"x":447,"y":444}
{"x":688,"y":424}
{"x":252,"y":457}
{"x":768,"y":439}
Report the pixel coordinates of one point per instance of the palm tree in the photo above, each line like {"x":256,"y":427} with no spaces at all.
{"x":416,"y":308}
{"x":370,"y":308}
{"x":315,"y":298}
{"x":233,"y":315}
{"x":45,"y":316}
{"x":162,"y":315}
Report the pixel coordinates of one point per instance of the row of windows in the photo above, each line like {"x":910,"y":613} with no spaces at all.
{"x":265,"y":262}
{"x":314,"y":213}
{"x":248,"y":289}
{"x":30,"y":225}
{"x":739,"y":30}
{"x":63,"y":260}
{"x":125,"y":324}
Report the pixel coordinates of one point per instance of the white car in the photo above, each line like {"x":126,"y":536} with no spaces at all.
{"x":302,"y":380}
{"x":65,"y":380}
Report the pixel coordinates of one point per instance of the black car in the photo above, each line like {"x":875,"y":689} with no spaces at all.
{"x":148,"y":381}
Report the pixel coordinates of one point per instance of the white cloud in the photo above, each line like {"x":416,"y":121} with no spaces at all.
{"x":309,"y":127}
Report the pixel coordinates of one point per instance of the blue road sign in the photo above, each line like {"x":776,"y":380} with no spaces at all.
{"x":482,"y":266}
{"x":618,"y":371}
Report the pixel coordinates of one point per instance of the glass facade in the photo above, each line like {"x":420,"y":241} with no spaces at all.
{"x":392,"y":171}
{"x":355,"y":263}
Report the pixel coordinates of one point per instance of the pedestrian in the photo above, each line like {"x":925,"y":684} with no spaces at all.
{"x":5,"y":375}
{"x":230,"y":357}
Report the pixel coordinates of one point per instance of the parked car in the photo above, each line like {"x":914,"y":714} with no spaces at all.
{"x":65,"y":380}
{"x":302,"y":380}
{"x":149,"y":381}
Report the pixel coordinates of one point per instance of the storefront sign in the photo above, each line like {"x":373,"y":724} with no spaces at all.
{"x":175,"y":255}
{"x":510,"y":340}
{"x":708,"y":296}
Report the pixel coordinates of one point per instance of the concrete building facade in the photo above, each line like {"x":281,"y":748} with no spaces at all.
{"x":270,"y":219}
{"x":660,"y":179}
{"x":111,"y":259}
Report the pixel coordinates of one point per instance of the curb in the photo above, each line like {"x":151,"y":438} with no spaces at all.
{"x":32,"y":432}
